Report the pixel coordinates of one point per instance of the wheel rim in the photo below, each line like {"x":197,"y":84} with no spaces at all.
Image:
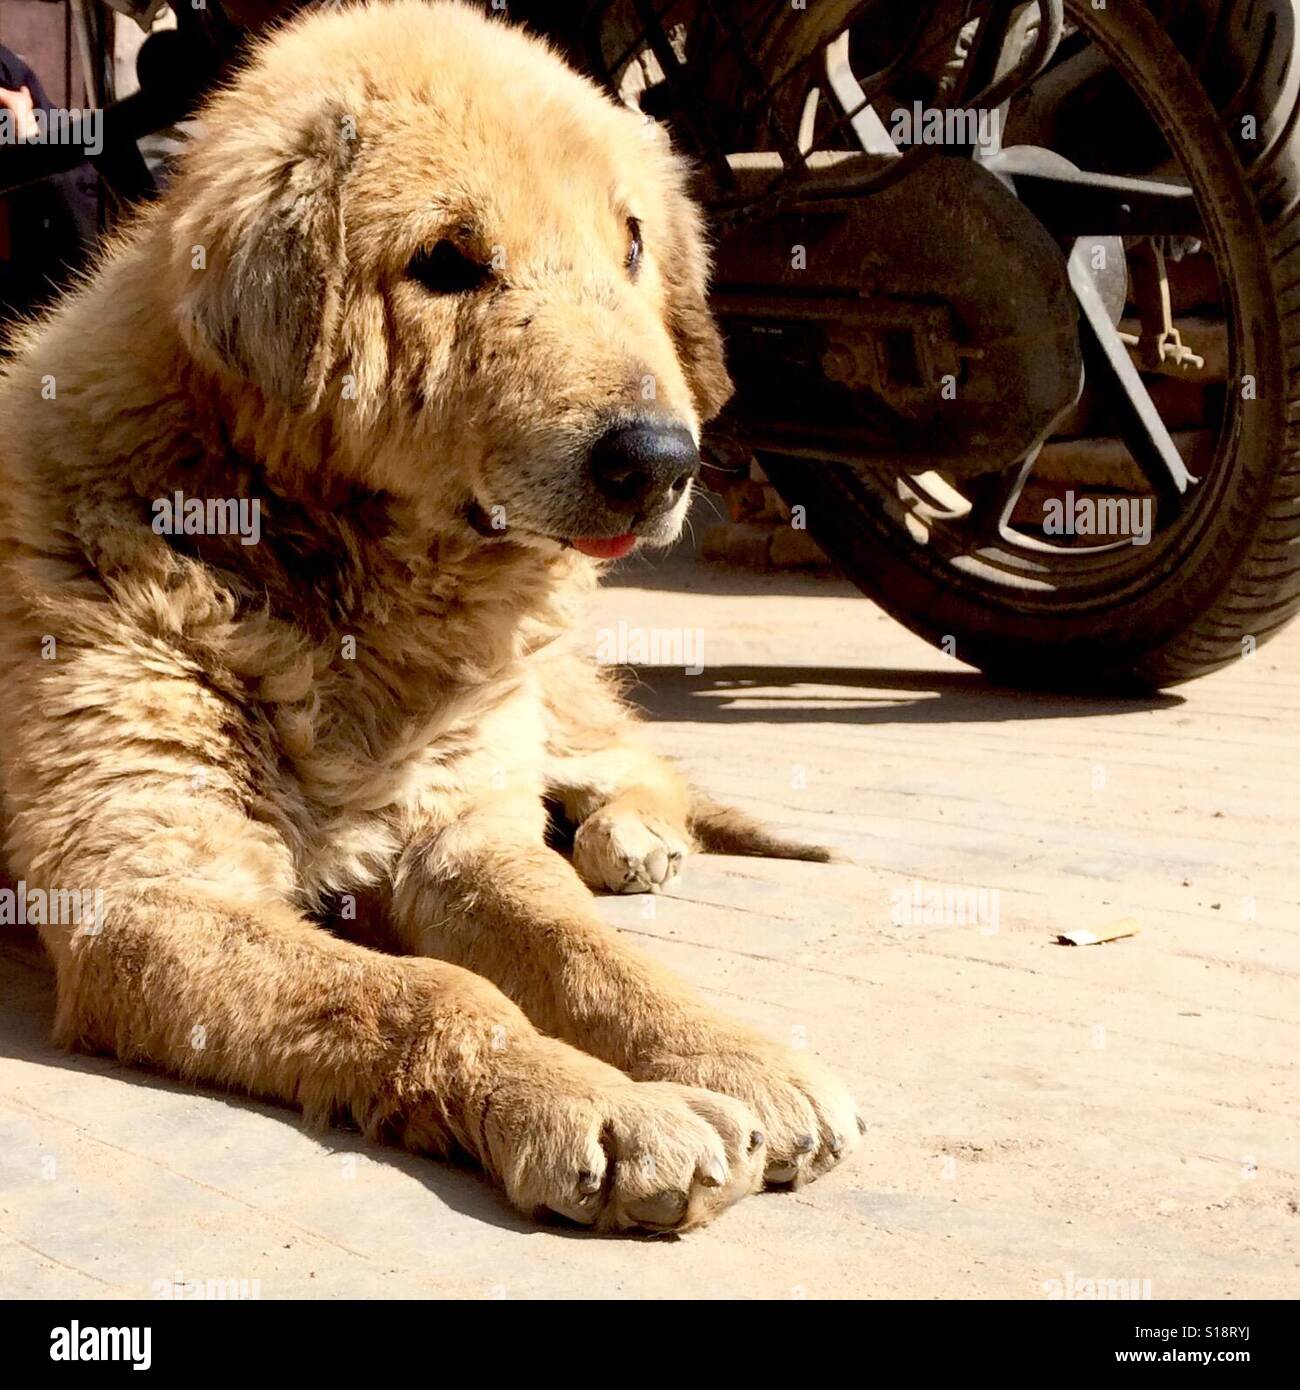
{"x":957,"y":528}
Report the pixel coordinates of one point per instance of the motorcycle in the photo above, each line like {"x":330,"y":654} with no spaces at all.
{"x":1011,"y":294}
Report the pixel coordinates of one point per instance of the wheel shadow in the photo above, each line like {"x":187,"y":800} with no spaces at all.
{"x":858,"y":695}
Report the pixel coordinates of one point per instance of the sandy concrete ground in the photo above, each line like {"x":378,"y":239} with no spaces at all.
{"x":1039,"y":1113}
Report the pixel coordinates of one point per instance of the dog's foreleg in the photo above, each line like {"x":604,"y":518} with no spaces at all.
{"x":417,"y":1050}
{"x":486,"y":894}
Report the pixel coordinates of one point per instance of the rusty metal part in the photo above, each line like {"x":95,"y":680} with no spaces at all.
{"x":932,"y":323}
{"x":1159,"y":345}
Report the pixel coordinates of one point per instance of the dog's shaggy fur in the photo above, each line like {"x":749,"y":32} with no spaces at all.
{"x":354,"y":726}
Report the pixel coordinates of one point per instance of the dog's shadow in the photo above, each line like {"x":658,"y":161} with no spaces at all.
{"x":857,"y":695}
{"x":27,"y":987}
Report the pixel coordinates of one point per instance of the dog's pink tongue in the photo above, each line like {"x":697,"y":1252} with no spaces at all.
{"x":604,"y":547}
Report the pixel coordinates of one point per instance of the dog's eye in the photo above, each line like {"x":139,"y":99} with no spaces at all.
{"x":633,"y":258}
{"x":446,"y":269}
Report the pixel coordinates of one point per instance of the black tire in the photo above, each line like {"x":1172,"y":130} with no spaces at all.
{"x":1233,"y":580}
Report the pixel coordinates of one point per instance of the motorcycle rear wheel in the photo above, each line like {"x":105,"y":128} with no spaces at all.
{"x":1230,"y":578}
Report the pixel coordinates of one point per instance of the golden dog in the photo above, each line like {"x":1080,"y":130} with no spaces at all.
{"x":298,"y":494}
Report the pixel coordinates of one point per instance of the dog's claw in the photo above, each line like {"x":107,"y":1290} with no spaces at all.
{"x":713,"y":1176}
{"x":588,"y":1181}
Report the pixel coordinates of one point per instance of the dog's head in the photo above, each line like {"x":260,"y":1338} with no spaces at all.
{"x":486,"y":277}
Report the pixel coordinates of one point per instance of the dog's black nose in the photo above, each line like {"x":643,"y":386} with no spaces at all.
{"x":643,"y":466}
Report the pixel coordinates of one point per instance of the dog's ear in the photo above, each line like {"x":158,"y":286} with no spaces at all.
{"x":263,"y":298}
{"x":691,"y":323}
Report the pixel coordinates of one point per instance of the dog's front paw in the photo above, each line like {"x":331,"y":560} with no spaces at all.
{"x":572,"y":1136}
{"x":807,"y":1115}
{"x":622,"y":849}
